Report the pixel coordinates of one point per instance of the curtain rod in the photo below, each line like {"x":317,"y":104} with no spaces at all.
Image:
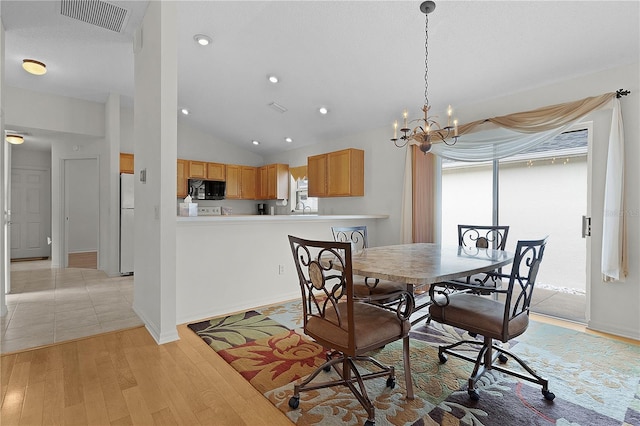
{"x":621,"y":92}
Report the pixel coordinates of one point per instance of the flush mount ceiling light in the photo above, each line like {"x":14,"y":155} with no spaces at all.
{"x":14,"y":139}
{"x":255,"y":142}
{"x":426,"y":130}
{"x":288,"y":140}
{"x":202,"y":40}
{"x":273,"y":78}
{"x":323,"y":110}
{"x":184,"y":111}
{"x":34,"y":67}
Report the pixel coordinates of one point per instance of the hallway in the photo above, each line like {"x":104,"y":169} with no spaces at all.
{"x":48,"y":305}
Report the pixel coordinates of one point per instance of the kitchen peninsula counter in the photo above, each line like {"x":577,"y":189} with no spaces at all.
{"x":279,"y":218}
{"x":232,"y":263}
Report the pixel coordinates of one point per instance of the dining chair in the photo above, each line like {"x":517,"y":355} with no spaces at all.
{"x":494,"y":320}
{"x":348,"y":326}
{"x":364,"y":286}
{"x":484,"y":236}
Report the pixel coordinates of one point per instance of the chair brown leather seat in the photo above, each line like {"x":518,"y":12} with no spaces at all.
{"x":347,"y":325}
{"x":372,"y":325}
{"x":492,"y":319}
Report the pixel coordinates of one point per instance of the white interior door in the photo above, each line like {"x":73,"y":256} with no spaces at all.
{"x":30,"y":213}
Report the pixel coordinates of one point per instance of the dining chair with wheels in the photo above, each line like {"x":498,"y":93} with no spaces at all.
{"x":364,"y":286}
{"x":348,"y":327}
{"x":486,"y":237}
{"x":495,"y":320}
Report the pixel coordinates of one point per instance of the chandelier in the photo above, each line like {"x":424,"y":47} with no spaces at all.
{"x":426,"y":130}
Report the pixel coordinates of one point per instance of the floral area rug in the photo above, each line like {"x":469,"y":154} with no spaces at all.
{"x":596,"y":380}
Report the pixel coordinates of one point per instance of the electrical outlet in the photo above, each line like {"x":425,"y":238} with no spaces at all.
{"x":280,"y":269}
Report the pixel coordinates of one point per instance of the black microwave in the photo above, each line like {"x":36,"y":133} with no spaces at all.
{"x":207,"y":189}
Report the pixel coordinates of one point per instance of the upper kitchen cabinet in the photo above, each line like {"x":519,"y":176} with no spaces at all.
{"x":241,"y":182}
{"x":216,"y":171}
{"x":336,"y":174}
{"x":317,"y":175}
{"x":197,"y":170}
{"x":273,"y":182}
{"x":182,"y":178}
{"x":126,"y":163}
{"x":248,"y":182}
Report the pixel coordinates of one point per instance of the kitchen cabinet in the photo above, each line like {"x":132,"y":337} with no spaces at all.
{"x":126,"y":163}
{"x":197,"y":170}
{"x":241,"y":182}
{"x":336,"y":174}
{"x":233,"y":182}
{"x":182,"y":190}
{"x":317,"y":175}
{"x":216,"y":171}
{"x":248,"y":182}
{"x":273,"y":182}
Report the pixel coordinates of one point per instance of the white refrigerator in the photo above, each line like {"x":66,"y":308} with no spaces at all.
{"x":126,"y":223}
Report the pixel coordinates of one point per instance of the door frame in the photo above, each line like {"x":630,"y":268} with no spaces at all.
{"x":64,"y":208}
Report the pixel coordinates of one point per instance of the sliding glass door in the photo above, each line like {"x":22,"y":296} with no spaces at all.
{"x":539,"y":192}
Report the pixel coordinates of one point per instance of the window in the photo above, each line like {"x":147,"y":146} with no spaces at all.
{"x":302,"y":202}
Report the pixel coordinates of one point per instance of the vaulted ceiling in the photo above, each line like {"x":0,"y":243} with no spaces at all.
{"x":363,"y":60}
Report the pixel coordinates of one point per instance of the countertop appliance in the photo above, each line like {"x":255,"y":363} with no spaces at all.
{"x":262,"y":209}
{"x":126,"y":223}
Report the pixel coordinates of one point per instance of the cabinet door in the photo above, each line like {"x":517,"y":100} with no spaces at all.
{"x":282,"y":181}
{"x":215,"y":171}
{"x":248,"y":182}
{"x":263,"y":183}
{"x":233,"y":182}
{"x":197,"y":169}
{"x":345,"y":173}
{"x":317,"y":174}
{"x":126,"y":163}
{"x":182,"y":178}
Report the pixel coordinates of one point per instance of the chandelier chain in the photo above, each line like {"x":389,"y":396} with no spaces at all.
{"x":426,"y":56}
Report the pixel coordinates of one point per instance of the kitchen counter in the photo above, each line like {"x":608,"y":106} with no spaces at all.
{"x":279,"y":218}
{"x":237,"y":262}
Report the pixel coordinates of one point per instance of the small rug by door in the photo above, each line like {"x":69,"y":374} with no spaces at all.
{"x":596,"y":380}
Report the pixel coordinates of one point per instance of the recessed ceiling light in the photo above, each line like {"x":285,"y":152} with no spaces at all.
{"x":274,"y":79}
{"x":34,"y":67}
{"x":184,"y":111}
{"x":323,"y":110}
{"x":203,"y":40}
{"x":14,"y":139}
{"x":255,"y":142}
{"x":288,"y":140}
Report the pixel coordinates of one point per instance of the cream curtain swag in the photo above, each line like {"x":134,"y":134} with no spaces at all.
{"x":504,"y":136}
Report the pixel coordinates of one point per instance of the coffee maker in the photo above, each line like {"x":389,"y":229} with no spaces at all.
{"x":262,"y":208}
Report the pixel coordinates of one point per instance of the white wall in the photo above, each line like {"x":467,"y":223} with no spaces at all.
{"x":22,"y":156}
{"x":81,"y":189}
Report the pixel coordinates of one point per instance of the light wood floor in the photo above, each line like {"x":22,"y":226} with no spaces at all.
{"x":125,"y":378}
{"x":85,"y":260}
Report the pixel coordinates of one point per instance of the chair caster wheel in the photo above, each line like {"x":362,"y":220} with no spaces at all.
{"x":503,"y":358}
{"x":369,"y":423}
{"x":442,"y":357}
{"x":294,"y":402}
{"x":474,"y":395}
{"x":391,"y":382}
{"x":548,"y":395}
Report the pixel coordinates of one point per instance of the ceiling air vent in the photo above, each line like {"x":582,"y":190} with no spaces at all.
{"x":95,"y":12}
{"x":277,"y":107}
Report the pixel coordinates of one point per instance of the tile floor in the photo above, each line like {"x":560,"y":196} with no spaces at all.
{"x":48,"y":305}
